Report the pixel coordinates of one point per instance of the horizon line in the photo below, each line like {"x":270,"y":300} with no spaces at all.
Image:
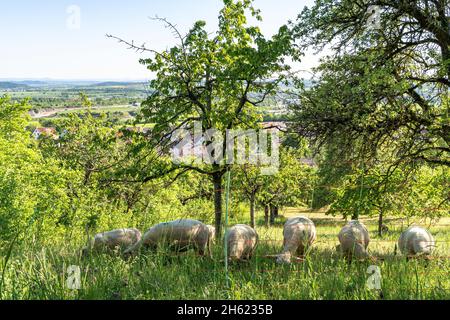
{"x":13,"y":79}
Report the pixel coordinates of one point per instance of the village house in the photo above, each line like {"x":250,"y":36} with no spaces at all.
{"x":45,"y":132}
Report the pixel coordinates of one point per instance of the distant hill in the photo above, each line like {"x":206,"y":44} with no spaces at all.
{"x":33,"y":83}
{"x":116,"y":84}
{"x":13,"y":85}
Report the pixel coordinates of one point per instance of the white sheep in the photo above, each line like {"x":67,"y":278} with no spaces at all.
{"x":212,"y":232}
{"x":299,"y":234}
{"x":354,"y":239}
{"x":416,"y":241}
{"x":112,"y":240}
{"x":242,"y":241}
{"x":180,"y":235}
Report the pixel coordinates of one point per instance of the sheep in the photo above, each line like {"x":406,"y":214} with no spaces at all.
{"x":179,"y":235}
{"x":416,"y":241}
{"x":242,"y":241}
{"x":299,"y":234}
{"x":354,"y":240}
{"x":212,"y":233}
{"x":111,"y":240}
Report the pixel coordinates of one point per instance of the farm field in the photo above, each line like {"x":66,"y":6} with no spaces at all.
{"x":39,"y":273}
{"x":60,"y":112}
{"x":50,"y":98}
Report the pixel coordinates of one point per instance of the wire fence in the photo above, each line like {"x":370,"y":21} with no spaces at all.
{"x":334,"y":241}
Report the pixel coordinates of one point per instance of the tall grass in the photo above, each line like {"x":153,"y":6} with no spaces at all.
{"x":41,"y":273}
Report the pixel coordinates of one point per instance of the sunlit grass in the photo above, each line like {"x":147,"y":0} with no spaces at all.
{"x":40,"y":273}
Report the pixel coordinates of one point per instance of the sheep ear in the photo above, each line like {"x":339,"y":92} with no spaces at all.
{"x":299,"y":260}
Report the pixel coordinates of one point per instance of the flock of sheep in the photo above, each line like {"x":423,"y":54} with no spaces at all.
{"x":299,"y":234}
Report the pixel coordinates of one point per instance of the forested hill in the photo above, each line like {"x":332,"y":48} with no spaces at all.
{"x":117,"y":84}
{"x":13,"y":85}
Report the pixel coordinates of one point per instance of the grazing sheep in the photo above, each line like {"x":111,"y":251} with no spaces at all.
{"x":416,"y":241}
{"x":354,"y":240}
{"x":212,"y":233}
{"x":179,"y":235}
{"x":242,"y":241}
{"x":299,"y":234}
{"x":111,"y":240}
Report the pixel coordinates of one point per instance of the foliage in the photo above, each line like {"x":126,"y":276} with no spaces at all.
{"x":420,"y":193}
{"x":354,"y":187}
{"x":218,"y":80}
{"x":113,"y":169}
{"x":293,"y":183}
{"x":384,"y":85}
{"x":29,"y":183}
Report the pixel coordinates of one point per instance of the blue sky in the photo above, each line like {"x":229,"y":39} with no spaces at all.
{"x":38,"y":42}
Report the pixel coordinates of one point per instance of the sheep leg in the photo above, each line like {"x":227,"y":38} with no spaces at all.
{"x":360,"y":252}
{"x":249,"y":256}
{"x":133,"y":249}
{"x":300,"y":251}
{"x":201,"y":248}
{"x":348,"y":256}
{"x":209,"y":248}
{"x":201,"y":252}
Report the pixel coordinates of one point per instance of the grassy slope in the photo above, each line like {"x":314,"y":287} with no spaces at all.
{"x":39,"y":273}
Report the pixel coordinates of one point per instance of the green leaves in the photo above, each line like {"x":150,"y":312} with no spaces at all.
{"x":290,"y":186}
{"x":13,"y":118}
{"x":210,"y":78}
{"x":386,"y":87}
{"x":420,"y":193}
{"x":29,"y":183}
{"x":218,"y":80}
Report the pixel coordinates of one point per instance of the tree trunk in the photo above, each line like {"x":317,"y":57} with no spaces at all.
{"x":217,"y":180}
{"x":380,"y":223}
{"x":266,"y":215}
{"x":252,"y":211}
{"x":272,"y":214}
{"x":276,"y":212}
